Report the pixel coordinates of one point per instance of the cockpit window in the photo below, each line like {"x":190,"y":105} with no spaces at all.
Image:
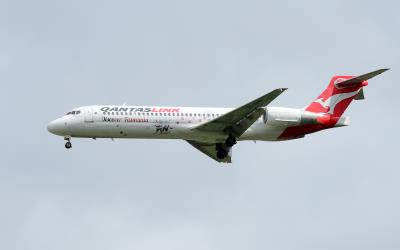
{"x":74,"y":112}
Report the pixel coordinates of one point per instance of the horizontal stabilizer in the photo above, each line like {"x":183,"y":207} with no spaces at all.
{"x":358,"y":79}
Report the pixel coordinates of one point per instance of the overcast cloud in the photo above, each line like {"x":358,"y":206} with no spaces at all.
{"x":337,"y":189}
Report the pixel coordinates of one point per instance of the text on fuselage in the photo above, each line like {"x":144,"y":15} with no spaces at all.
{"x":139,"y":109}
{"x":126,"y":119}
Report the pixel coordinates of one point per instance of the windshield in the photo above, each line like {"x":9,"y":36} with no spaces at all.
{"x":75,"y":112}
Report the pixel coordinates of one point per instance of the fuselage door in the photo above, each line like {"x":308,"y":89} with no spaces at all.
{"x":88,"y":114}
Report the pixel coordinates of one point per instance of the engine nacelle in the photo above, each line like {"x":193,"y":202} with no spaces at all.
{"x":282,"y":117}
{"x":289,"y":117}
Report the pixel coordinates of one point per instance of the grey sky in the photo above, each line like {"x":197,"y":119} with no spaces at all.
{"x":337,"y":189}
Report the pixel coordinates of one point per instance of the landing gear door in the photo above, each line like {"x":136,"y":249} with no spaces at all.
{"x":88,"y":114}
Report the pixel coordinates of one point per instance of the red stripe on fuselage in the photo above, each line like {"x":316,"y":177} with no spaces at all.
{"x":298,"y":131}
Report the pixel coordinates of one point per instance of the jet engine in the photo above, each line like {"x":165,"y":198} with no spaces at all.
{"x":289,"y":117}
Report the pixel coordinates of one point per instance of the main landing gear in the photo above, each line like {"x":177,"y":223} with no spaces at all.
{"x":222,"y":152}
{"x":230,"y":141}
{"x":68,"y":144}
{"x":224,"y":148}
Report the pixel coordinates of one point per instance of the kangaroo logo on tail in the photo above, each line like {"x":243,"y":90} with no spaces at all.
{"x":332,"y":101}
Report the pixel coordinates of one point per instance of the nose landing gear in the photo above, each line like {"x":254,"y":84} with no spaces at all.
{"x":68,"y":144}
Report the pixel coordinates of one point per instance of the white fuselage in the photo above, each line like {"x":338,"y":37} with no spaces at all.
{"x":105,"y":121}
{"x":214,"y":131}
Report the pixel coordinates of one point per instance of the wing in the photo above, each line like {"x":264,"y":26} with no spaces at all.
{"x":210,"y":150}
{"x":239,"y":120}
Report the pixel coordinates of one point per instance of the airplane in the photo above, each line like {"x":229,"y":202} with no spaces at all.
{"x":214,"y":131}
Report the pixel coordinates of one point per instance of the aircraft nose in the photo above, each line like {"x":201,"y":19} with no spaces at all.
{"x":56,"y":127}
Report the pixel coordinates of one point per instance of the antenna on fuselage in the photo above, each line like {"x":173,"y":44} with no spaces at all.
{"x":124,"y":104}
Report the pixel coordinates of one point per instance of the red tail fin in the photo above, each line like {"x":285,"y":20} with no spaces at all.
{"x":331,"y":104}
{"x":337,"y":96}
{"x":340,"y":92}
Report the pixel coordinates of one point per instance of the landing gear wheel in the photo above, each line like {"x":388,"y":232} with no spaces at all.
{"x":230,"y":141}
{"x":68,"y":144}
{"x":221,"y":153}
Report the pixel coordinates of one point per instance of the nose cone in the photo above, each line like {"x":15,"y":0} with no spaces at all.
{"x":57,"y":127}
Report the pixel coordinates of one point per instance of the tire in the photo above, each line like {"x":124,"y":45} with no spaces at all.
{"x":222,"y":154}
{"x":68,"y":145}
